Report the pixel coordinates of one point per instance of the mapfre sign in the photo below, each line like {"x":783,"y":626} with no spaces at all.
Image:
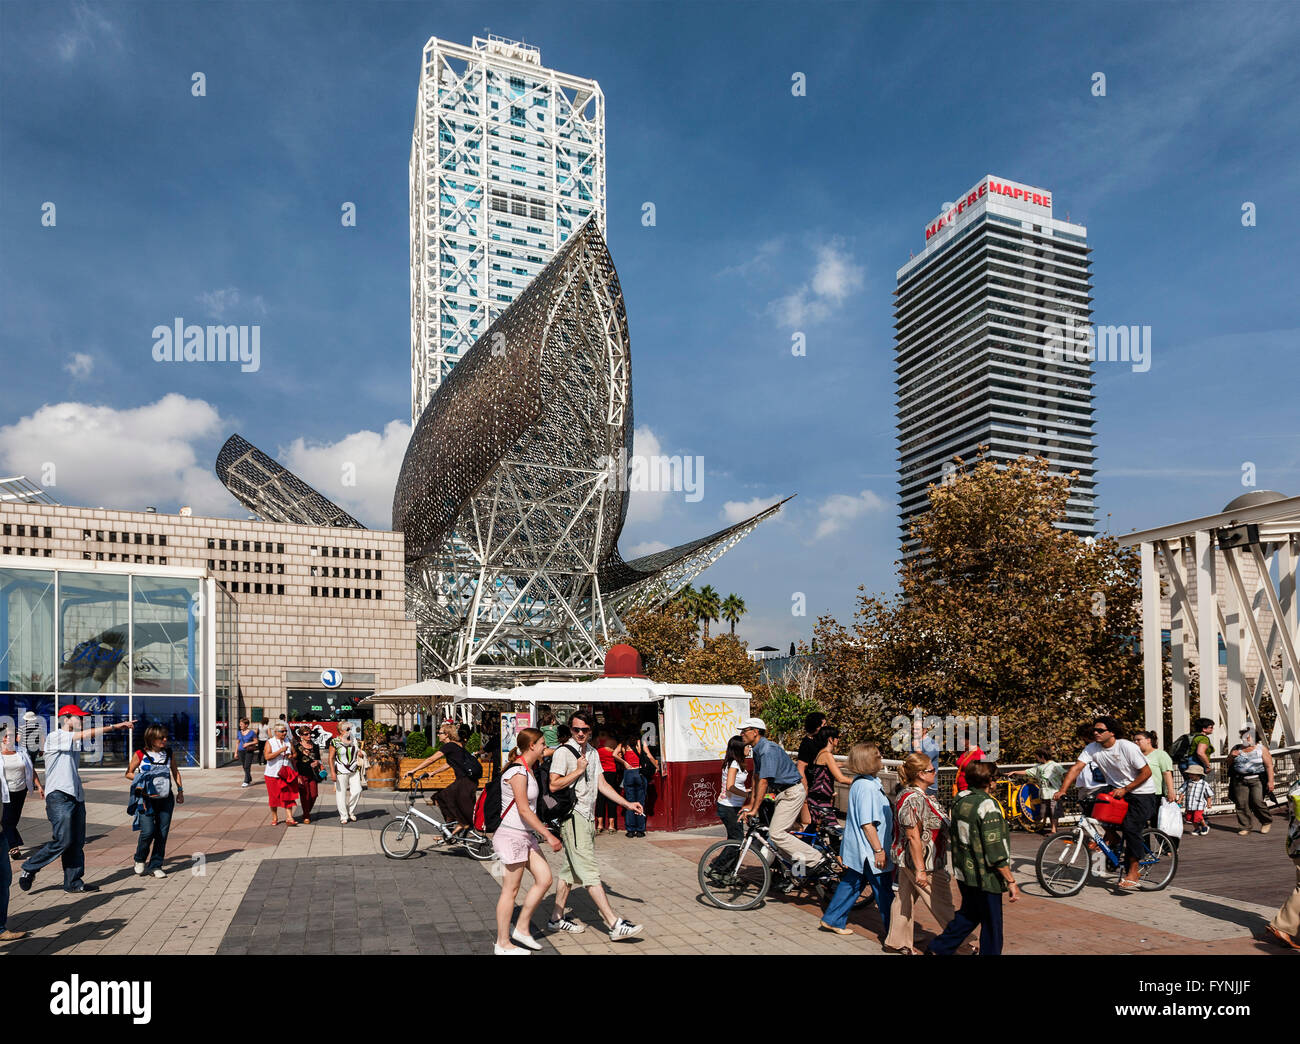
{"x":991,"y":186}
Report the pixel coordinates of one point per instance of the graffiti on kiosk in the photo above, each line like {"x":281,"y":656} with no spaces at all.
{"x":702,"y":795}
{"x":713,"y":723}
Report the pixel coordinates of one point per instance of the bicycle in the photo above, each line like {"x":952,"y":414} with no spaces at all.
{"x":749,"y":866}
{"x":401,"y":836}
{"x":1020,"y":803}
{"x":1065,"y":860}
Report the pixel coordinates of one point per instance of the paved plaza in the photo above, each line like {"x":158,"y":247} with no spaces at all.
{"x":237,"y":885}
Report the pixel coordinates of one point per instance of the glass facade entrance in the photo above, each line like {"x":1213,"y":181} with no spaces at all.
{"x":120,"y":645}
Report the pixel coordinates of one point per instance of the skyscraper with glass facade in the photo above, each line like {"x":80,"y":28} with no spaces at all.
{"x":507,"y":161}
{"x":988,"y":322}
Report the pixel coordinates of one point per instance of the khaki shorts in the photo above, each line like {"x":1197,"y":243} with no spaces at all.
{"x":578,"y":835}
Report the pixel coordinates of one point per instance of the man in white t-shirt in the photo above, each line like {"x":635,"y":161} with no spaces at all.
{"x":578,"y":833}
{"x":1128,"y":777}
{"x":65,"y":802}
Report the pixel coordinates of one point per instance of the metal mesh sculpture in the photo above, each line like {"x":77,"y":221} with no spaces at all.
{"x":511,"y":496}
{"x":273,"y":493}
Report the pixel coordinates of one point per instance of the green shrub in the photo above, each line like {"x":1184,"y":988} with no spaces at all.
{"x":417,"y":745}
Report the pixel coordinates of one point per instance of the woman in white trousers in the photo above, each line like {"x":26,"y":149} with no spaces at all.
{"x":346,"y":770}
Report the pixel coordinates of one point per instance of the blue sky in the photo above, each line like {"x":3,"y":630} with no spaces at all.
{"x":774,"y":213}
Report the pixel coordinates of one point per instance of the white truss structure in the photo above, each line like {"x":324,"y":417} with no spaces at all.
{"x":1209,"y":591}
{"x":507,"y":162}
{"x":511,"y":497}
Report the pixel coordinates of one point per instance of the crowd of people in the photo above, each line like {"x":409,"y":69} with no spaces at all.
{"x":905,"y":845}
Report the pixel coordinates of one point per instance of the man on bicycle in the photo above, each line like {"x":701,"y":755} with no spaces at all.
{"x":1128,"y":777}
{"x":776,"y":774}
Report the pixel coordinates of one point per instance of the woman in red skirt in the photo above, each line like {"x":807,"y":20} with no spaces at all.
{"x":280,"y":792}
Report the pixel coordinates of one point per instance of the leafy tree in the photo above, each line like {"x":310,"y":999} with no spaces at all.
{"x":663,"y":637}
{"x":1001,"y":614}
{"x":708,"y":606}
{"x":783,"y":712}
{"x":733,"y":608}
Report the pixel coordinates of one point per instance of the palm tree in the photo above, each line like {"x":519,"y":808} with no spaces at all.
{"x":708,"y":604}
{"x":733,"y":608}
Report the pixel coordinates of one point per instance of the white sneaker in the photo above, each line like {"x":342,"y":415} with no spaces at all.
{"x":525,"y":940}
{"x":243,"y":785}
{"x":139,"y":869}
{"x":564,"y":925}
{"x":508,"y":951}
{"x":623,"y":930}
{"x":160,"y":872}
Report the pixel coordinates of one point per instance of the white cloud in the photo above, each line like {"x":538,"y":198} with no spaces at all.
{"x":760,"y":259}
{"x":646,"y":547}
{"x":358,"y":472}
{"x":647,"y":504}
{"x":217,"y":303}
{"x":834,"y":278}
{"x":734,"y":511}
{"x":839,"y":509}
{"x":89,"y":31}
{"x":126,"y":459}
{"x":80,"y":365}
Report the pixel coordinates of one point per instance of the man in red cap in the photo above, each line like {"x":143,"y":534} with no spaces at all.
{"x":65,"y":802}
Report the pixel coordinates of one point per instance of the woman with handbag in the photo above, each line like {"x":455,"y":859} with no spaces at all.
{"x":921,"y":853}
{"x":156,"y":783}
{"x":281,"y":778}
{"x":311,"y":770}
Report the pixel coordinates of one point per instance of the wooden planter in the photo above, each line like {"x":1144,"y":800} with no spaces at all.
{"x":380,"y":775}
{"x":440,"y":779}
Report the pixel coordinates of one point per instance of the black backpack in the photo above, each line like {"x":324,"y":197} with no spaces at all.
{"x":1181,"y":751}
{"x":492,"y":806}
{"x":554,"y":806}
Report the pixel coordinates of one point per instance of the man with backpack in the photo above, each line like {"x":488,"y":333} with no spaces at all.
{"x":1196,"y":747}
{"x":575,"y":779}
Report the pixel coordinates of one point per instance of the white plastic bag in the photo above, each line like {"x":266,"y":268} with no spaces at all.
{"x":1170,"y":818}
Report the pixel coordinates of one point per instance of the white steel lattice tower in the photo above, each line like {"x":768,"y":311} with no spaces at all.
{"x":507,"y":162}
{"x":983,"y":350}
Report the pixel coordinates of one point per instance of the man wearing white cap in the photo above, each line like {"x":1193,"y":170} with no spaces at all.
{"x":65,"y":802}
{"x":776,"y":774}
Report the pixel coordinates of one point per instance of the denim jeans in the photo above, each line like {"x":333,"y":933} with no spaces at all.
{"x":9,"y":819}
{"x":634,"y":789}
{"x":247,"y":758}
{"x":6,"y":879}
{"x":850,"y":887}
{"x":155,"y":821}
{"x":68,"y":826}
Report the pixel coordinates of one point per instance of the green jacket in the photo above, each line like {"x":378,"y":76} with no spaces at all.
{"x":979,"y":841}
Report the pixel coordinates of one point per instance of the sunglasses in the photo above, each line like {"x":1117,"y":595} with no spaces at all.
{"x":579,"y":728}
{"x":1096,"y":730}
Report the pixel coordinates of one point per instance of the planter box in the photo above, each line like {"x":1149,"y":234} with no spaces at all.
{"x":380,"y":775}
{"x":440,"y":779}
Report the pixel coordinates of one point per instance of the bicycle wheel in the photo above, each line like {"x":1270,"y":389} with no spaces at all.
{"x":1063,"y":864}
{"x":399,"y":838}
{"x":738,"y":884}
{"x":1029,"y":808}
{"x":479,"y":846}
{"x":1156,"y":869}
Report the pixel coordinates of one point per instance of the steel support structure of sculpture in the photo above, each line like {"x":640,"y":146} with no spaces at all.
{"x":507,"y":496}
{"x":272,"y":492}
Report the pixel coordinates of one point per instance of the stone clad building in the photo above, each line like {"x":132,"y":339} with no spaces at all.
{"x":306,"y":599}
